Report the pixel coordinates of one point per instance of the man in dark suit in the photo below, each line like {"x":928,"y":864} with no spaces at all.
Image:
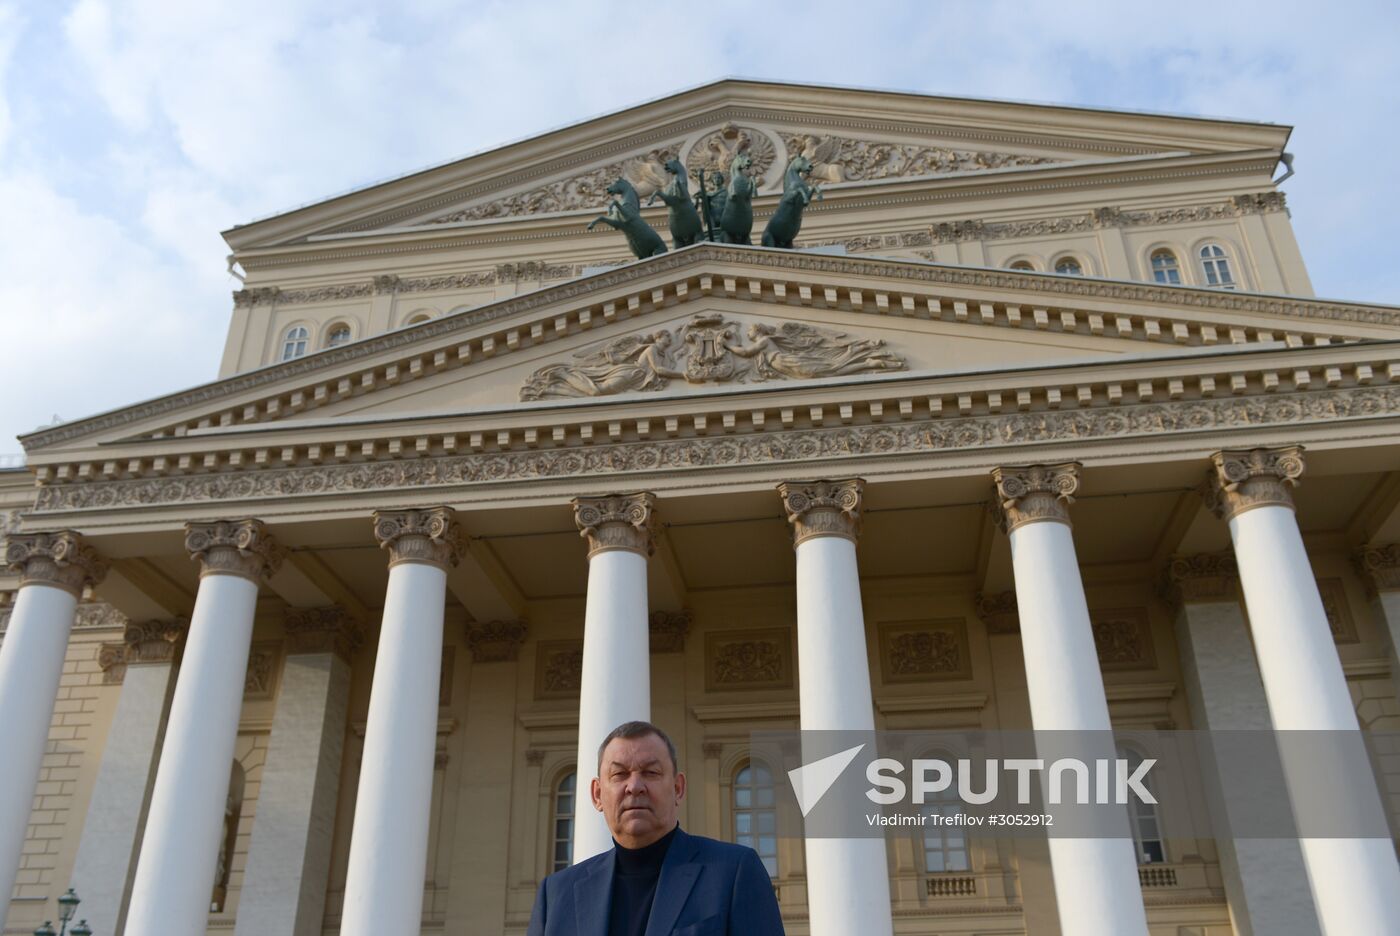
{"x":656,"y":880}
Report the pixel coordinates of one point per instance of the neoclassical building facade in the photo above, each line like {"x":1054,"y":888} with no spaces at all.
{"x":1038,"y":425}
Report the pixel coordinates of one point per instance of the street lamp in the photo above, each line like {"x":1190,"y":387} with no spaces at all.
{"x":67,"y":907}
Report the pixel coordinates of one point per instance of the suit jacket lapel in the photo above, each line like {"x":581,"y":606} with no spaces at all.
{"x":678,"y":876}
{"x":593,"y":896}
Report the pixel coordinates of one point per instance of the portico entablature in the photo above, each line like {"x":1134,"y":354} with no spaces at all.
{"x":919,"y":303}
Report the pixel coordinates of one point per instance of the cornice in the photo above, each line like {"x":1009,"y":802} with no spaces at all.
{"x":909,"y":288}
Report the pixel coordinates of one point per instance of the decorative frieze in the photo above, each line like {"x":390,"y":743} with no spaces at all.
{"x":619,"y":521}
{"x":495,"y":641}
{"x":844,"y":159}
{"x":1338,"y":612}
{"x":431,"y":536}
{"x":264,"y":663}
{"x":256,"y":295}
{"x":1379,"y":566}
{"x":234,"y":547}
{"x":1261,"y":477}
{"x":1034,"y":493}
{"x":534,"y":756}
{"x":1200,"y":579}
{"x":998,"y":612}
{"x":329,"y":629}
{"x":757,"y":658}
{"x":921,"y":651}
{"x":1123,"y":639}
{"x":142,"y":642}
{"x":667,"y":631}
{"x":558,"y":669}
{"x":62,"y":560}
{"x":822,"y":508}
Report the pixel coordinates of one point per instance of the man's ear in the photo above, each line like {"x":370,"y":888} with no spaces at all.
{"x":680,"y":787}
{"x":595,"y":789}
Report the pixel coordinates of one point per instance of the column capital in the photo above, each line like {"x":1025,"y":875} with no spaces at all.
{"x":1241,"y":480}
{"x":62,"y":559}
{"x":998,"y":612}
{"x":1380,"y":566}
{"x":823,"y":508}
{"x":495,"y":641}
{"x":1034,"y":493}
{"x":617,"y":521}
{"x":245,"y":548}
{"x":431,"y":536}
{"x":142,"y":642}
{"x":666,"y":631}
{"x":328,"y":629}
{"x":1200,"y":579}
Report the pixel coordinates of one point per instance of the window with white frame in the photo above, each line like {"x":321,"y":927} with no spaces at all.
{"x":563,"y":853}
{"x":1147,"y":827}
{"x":1068,"y":266}
{"x":338,"y":335}
{"x":1021,"y":265}
{"x":1215,"y":264}
{"x":294,"y":345}
{"x":945,"y":845}
{"x":1165,"y":268}
{"x":756,"y":813}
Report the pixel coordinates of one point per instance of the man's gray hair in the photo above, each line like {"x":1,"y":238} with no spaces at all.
{"x":638,"y":729}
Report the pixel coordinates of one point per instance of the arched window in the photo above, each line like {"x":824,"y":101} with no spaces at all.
{"x":563,"y":855}
{"x":417,"y":317}
{"x":1147,"y":829}
{"x":1068,"y":266}
{"x":944,"y":843}
{"x":1165,"y":269}
{"x":294,"y":345}
{"x":338,"y":335}
{"x":1216,"y":267}
{"x":1022,"y":265}
{"x":755,"y":813}
{"x":233,"y":811}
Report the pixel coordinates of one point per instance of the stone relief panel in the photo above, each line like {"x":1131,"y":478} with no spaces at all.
{"x":759,"y":658}
{"x":845,"y":159}
{"x":715,"y":152}
{"x":264,"y":661}
{"x":710,"y":349}
{"x":923,"y":651}
{"x":1334,"y":603}
{"x":558,"y":669}
{"x":449,"y":660}
{"x":1123,"y":638}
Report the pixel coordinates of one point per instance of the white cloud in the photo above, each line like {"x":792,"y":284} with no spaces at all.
{"x":10,"y":27}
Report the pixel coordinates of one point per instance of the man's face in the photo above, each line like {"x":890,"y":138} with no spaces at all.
{"x":638,"y":790}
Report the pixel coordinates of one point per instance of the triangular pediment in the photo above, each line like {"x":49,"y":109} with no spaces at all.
{"x":856,"y":138}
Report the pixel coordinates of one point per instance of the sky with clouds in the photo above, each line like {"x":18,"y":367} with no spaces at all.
{"x":133,"y":131}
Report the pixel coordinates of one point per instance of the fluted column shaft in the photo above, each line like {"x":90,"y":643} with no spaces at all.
{"x":848,"y":883}
{"x":615,"y":685}
{"x":389,"y":845}
{"x":54,"y":568}
{"x":180,"y":847}
{"x":1355,"y":882}
{"x":1096,"y":880}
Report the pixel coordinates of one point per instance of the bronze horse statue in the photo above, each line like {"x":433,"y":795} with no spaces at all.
{"x":797,"y":194}
{"x":736,"y":221}
{"x":625,"y":215}
{"x":686,"y":228}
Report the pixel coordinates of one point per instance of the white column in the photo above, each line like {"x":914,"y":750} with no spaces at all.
{"x":1265,"y":881}
{"x":1096,"y":880}
{"x":615,"y":685}
{"x":53,"y":569}
{"x":180,"y":847}
{"x":848,"y":883}
{"x":1355,"y":882}
{"x":389,"y":844}
{"x":284,"y":888}
{"x":106,"y":860}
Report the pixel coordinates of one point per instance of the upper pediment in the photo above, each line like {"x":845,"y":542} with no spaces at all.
{"x":854,"y":138}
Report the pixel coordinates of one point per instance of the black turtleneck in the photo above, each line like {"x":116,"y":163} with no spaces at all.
{"x":635,"y":873}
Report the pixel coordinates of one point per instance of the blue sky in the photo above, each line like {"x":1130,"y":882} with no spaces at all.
{"x":133,"y":131}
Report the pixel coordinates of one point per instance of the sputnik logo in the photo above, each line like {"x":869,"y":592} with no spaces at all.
{"x":811,"y":781}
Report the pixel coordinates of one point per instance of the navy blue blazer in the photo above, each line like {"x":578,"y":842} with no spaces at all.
{"x":706,"y":888}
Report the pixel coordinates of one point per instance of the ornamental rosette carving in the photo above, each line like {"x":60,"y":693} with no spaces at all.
{"x":1203,"y":578}
{"x":432,"y":536}
{"x":495,"y":641}
{"x":63,"y":560}
{"x":1380,"y":565}
{"x":1034,"y":493}
{"x":622,"y":521}
{"x":329,"y":629}
{"x":1243,"y":480}
{"x":244,"y":548}
{"x":822,"y":508}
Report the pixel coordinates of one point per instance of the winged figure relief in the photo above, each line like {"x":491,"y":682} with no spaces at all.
{"x":824,"y":155}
